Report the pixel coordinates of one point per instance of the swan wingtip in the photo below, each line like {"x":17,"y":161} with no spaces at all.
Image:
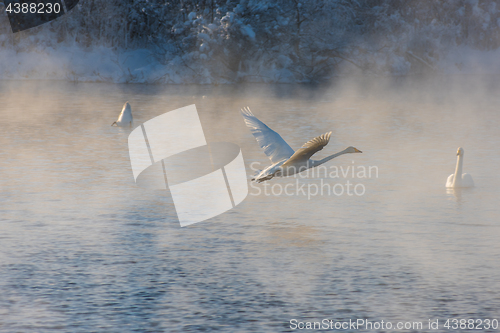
{"x":245,"y":111}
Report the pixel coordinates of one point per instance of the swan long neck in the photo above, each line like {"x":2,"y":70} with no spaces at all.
{"x":326,"y":159}
{"x":457,"y":179}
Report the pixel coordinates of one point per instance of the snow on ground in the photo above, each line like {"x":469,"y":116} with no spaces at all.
{"x":464,"y":60}
{"x":77,"y":64}
{"x":101,"y":64}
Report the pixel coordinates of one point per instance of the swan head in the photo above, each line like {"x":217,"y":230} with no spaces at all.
{"x":351,"y":150}
{"x":460,"y":151}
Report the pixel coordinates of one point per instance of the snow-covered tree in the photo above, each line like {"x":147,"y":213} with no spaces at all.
{"x":275,"y":40}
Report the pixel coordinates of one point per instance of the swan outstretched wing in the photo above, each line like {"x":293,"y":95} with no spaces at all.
{"x":310,"y":148}
{"x":273,"y":144}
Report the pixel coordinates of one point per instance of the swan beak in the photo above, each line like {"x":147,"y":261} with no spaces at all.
{"x":458,"y":153}
{"x":357,"y":150}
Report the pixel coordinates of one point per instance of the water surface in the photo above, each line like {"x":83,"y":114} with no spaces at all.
{"x":83,"y":249}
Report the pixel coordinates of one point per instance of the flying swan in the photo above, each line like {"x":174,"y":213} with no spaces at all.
{"x":285,"y":161}
{"x":459,"y":179}
{"x":125,"y":118}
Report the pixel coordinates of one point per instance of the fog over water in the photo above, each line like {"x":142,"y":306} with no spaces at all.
{"x":83,"y":249}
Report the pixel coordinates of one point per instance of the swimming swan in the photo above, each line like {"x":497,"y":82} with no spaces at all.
{"x":459,"y":179}
{"x":125,"y":118}
{"x":285,"y":161}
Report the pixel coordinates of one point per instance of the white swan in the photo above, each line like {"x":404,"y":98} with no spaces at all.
{"x":286,"y":161}
{"x":459,"y":179}
{"x":125,"y":118}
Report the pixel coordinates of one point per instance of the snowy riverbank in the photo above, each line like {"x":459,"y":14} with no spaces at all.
{"x":183,"y":42}
{"x":101,"y":64}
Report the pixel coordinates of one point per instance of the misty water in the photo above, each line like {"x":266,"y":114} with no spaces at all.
{"x":83,"y":249}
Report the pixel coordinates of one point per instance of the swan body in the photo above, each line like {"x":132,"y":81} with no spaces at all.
{"x":125,"y":118}
{"x":285,"y":161}
{"x":459,"y":179}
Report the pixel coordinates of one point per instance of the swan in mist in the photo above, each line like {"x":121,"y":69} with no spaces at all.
{"x":285,"y":161}
{"x":459,"y":179}
{"x":125,"y":118}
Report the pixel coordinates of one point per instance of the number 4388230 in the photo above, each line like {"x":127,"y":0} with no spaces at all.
{"x":471,"y":324}
{"x":33,"y":8}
